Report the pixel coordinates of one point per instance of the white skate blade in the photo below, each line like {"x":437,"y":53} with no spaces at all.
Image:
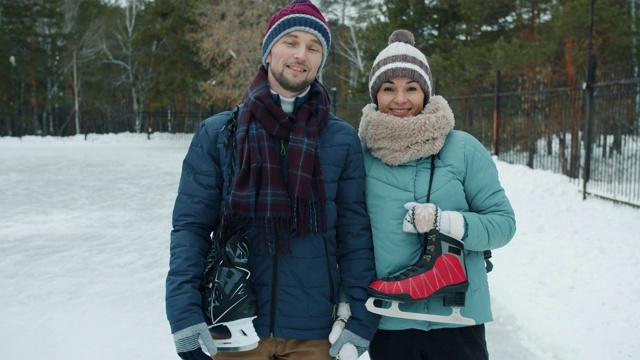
{"x":243,"y":336}
{"x":394,"y":311}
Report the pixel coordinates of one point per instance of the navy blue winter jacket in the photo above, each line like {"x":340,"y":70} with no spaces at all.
{"x":295,"y":291}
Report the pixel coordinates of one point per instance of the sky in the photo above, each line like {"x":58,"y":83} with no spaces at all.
{"x":84,"y":244}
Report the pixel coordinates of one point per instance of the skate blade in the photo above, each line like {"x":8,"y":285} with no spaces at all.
{"x":394,"y":311}
{"x":243,"y":336}
{"x":222,"y":348}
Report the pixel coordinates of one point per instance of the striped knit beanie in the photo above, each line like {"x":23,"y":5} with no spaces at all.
{"x":299,"y":15}
{"x":400,"y":59}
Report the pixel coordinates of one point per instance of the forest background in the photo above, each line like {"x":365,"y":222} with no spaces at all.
{"x":78,"y":66}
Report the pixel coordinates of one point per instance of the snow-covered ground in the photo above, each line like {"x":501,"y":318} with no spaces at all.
{"x":84,"y":235}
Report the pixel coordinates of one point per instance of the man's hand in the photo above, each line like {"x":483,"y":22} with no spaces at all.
{"x":348,"y":351}
{"x":188,"y":342}
{"x":348,"y":346}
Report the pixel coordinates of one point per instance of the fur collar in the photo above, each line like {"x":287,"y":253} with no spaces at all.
{"x":395,"y":140}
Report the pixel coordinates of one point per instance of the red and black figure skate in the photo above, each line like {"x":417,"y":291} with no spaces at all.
{"x":440,"y":271}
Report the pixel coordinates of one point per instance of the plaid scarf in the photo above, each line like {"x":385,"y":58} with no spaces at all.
{"x":259,"y":194}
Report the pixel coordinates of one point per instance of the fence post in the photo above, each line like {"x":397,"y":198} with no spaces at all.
{"x":589,"y":86}
{"x":496,"y":117}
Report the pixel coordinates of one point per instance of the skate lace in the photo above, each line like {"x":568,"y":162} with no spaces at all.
{"x":410,"y":271}
{"x":419,"y":267}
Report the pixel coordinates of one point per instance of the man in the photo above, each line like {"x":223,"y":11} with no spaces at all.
{"x":289,"y":175}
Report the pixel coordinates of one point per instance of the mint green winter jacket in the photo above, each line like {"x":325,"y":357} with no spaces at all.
{"x":465,"y":180}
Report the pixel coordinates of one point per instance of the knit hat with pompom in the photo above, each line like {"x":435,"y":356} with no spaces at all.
{"x":400,"y":59}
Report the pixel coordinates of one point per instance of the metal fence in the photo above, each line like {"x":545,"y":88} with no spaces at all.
{"x":542,"y":129}
{"x":545,"y":129}
{"x":62,"y":122}
{"x":125,"y":121}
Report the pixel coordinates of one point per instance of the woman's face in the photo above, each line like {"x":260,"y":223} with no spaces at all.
{"x":400,"y":97}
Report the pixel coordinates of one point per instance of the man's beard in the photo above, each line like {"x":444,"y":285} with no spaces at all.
{"x":290,"y":85}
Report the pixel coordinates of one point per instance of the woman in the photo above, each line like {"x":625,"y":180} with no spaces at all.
{"x":435,"y":204}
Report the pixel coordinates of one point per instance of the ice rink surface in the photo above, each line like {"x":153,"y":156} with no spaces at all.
{"x":84,"y":238}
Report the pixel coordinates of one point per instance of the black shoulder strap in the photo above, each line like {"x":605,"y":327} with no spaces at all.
{"x":230,"y":140}
{"x":433,"y":170}
{"x":231,"y":125}
{"x":487,"y":253}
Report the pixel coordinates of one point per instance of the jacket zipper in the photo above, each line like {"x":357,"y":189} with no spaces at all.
{"x":272,"y":317}
{"x":274,"y":275}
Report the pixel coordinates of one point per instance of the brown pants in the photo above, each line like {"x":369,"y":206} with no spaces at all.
{"x":279,"y":348}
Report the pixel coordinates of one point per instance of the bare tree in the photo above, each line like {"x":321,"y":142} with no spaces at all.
{"x":348,"y":47}
{"x":86,"y":48}
{"x":135,"y":75}
{"x":350,"y":16}
{"x":230,"y":45}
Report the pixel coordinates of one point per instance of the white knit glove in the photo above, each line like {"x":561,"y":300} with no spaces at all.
{"x":422,"y":218}
{"x":348,"y":350}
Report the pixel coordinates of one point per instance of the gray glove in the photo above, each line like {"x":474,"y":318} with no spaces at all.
{"x":188,"y":342}
{"x":349,"y":338}
{"x":348,"y":350}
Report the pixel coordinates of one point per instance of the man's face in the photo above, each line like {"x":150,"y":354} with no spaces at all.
{"x":293,"y":63}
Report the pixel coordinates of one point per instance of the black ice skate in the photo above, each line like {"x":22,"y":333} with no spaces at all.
{"x":229,"y":300}
{"x":440,"y":271}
